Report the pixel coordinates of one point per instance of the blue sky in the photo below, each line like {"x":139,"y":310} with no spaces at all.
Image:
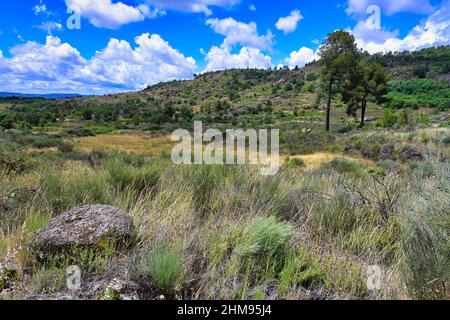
{"x":130,"y":44}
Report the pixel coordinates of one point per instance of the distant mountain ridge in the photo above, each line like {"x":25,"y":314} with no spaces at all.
{"x":47,"y":96}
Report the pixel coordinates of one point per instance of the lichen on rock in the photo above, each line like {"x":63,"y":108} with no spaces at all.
{"x":86,"y":227}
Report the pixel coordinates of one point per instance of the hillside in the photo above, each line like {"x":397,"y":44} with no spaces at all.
{"x":240,"y":98}
{"x":242,"y":86}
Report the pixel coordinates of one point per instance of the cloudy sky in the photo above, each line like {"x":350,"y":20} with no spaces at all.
{"x":108,"y":46}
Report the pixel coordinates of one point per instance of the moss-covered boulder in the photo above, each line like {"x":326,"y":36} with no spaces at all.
{"x":86,"y":227}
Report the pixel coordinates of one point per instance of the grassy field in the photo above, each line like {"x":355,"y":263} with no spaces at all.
{"x":135,"y":143}
{"x":155,"y":145}
{"x":209,"y":232}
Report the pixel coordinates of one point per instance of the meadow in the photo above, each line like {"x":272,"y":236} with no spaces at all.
{"x":226,"y":232}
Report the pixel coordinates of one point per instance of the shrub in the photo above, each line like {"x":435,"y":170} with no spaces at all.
{"x":7,"y":120}
{"x":311,"y":76}
{"x":301,"y":268}
{"x":48,"y":280}
{"x":14,"y":162}
{"x":261,"y":252}
{"x":293,"y":163}
{"x":45,"y":142}
{"x":79,"y":132}
{"x":416,"y":93}
{"x":66,"y":147}
{"x":344,"y":166}
{"x":265,"y":238}
{"x":123,"y":176}
{"x":446,"y":140}
{"x":389,"y":119}
{"x":161,"y":267}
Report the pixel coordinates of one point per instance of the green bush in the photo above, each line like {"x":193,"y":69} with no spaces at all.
{"x":311,"y":76}
{"x":303,"y":269}
{"x":417,"y":93}
{"x":79,"y":132}
{"x":265,"y":237}
{"x":7,"y":120}
{"x":293,"y":163}
{"x":46,"y":142}
{"x":124,"y":176}
{"x":14,"y":162}
{"x":389,"y":119}
{"x":161,"y":267}
{"x":446,"y":140}
{"x":66,"y":147}
{"x":344,"y":166}
{"x":48,"y":280}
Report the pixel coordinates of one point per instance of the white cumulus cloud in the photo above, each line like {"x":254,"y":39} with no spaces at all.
{"x":390,"y":7}
{"x":364,"y":31}
{"x":114,"y":14}
{"x":106,"y":14}
{"x":434,"y":31}
{"x":194,"y":6}
{"x":59,"y":67}
{"x":221,"y":58}
{"x":289,"y":24}
{"x":301,"y":57}
{"x":236,"y":32}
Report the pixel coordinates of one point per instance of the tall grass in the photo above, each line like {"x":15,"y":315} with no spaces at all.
{"x":426,"y":235}
{"x":161,"y":267}
{"x":228,"y":232}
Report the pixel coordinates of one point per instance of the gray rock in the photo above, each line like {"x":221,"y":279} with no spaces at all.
{"x":370,"y":120}
{"x":84,"y":227}
{"x":126,"y":290}
{"x":387,"y":152}
{"x":54,"y":297}
{"x":413,"y":155}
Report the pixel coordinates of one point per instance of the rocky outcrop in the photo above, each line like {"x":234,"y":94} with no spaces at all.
{"x":84,"y":227}
{"x":413,"y":155}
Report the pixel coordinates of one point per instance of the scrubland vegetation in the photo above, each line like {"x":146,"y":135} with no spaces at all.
{"x":343,"y":200}
{"x":227,"y":232}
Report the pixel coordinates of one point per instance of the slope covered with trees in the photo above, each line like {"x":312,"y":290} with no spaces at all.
{"x":237,"y":97}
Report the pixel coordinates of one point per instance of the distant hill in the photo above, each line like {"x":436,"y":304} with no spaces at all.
{"x":282,"y":87}
{"x":47,"y":96}
{"x":256,"y":96}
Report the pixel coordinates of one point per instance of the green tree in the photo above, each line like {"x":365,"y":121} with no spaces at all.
{"x":137,"y":120}
{"x":367,"y":83}
{"x":339,"y":57}
{"x":421,"y":71}
{"x":6,"y":120}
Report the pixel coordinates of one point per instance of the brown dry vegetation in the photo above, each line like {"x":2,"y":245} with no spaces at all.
{"x":136,"y":143}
